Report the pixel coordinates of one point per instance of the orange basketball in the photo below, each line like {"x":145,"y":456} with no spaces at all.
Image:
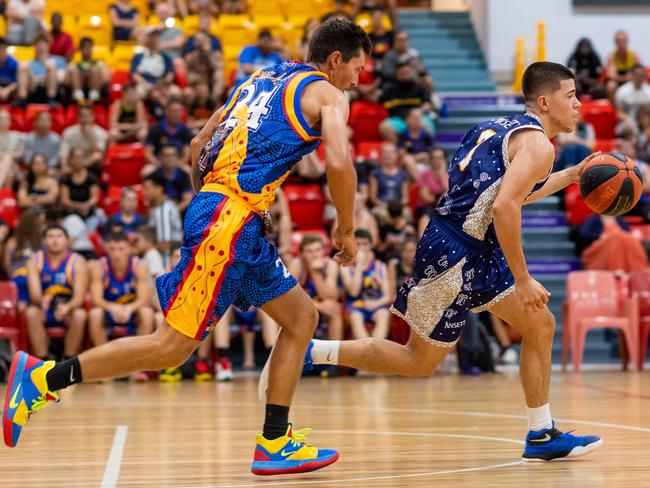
{"x":611,"y":184}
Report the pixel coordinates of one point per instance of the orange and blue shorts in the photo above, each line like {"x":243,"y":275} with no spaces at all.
{"x":224,"y":260}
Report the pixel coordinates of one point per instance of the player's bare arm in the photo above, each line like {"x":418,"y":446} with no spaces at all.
{"x":531,"y":155}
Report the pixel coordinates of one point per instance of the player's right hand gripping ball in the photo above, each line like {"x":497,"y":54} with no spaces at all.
{"x":611,"y":184}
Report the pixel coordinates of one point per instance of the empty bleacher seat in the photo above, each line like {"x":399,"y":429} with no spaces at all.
{"x":125,"y":162}
{"x":306,"y":205}
{"x":602,"y":116}
{"x":365,"y":118}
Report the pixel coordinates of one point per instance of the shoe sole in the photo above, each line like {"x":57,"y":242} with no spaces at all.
{"x":575,"y":452}
{"x":18,"y":362}
{"x":302,"y":468}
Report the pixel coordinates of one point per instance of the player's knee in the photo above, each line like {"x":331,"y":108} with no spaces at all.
{"x":543,"y":328}
{"x":171,"y":347}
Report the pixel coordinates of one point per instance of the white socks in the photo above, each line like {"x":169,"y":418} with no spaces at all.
{"x":325,"y":352}
{"x":539,"y":418}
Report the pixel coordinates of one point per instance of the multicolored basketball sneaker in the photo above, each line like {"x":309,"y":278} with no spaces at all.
{"x":289,"y":454}
{"x":548,"y":444}
{"x":27,"y":392}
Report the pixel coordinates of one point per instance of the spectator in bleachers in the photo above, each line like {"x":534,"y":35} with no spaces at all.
{"x":8,"y":73}
{"x":43,"y":141}
{"x":89,"y":77}
{"x":24,"y":21}
{"x":178,"y":187}
{"x":415,"y":140}
{"x":85,"y":134}
{"x":395,"y":232}
{"x":432,"y":185}
{"x":58,"y":283}
{"x":307,"y":32}
{"x":145,"y":245}
{"x":632,"y":95}
{"x":389,"y":7}
{"x":364,"y":219}
{"x":38,"y":188}
{"x":382,"y":39}
{"x":201,"y":105}
{"x":574,"y":146}
{"x":151,"y":66}
{"x":318,"y":275}
{"x":62,"y":44}
{"x":25,"y":241}
{"x":12,"y":144}
{"x":80,"y":190}
{"x":171,"y":37}
{"x":38,"y":79}
{"x":619,"y":64}
{"x":400,"y":268}
{"x":128,"y":118}
{"x":125,"y":19}
{"x":368,"y":290}
{"x":203,"y":7}
{"x":163,"y":215}
{"x":205,"y":66}
{"x":403,"y":53}
{"x":282,"y":225}
{"x":399,"y":97}
{"x":120,"y":290}
{"x":389,"y":182}
{"x":169,"y":131}
{"x":628,"y":147}
{"x":586,"y":66}
{"x":233,"y":7}
{"x":258,"y":56}
{"x":126,"y":219}
{"x":643,"y":143}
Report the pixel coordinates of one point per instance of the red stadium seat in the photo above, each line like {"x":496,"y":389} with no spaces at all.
{"x":8,"y":207}
{"x":95,"y":239}
{"x":118,"y":80}
{"x":576,"y":208}
{"x":181,"y":77}
{"x":12,"y":327}
{"x":125,"y":162}
{"x":602,"y":116}
{"x":594,"y":302}
{"x":606,"y":145}
{"x":306,"y":204}
{"x":639,"y":286}
{"x":364,"y":119}
{"x":17,"y":117}
{"x":369,"y":150}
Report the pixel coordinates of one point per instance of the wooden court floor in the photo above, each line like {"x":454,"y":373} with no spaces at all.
{"x":445,"y":431}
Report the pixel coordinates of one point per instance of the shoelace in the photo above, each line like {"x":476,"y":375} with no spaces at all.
{"x":41,"y":401}
{"x":298,"y":437}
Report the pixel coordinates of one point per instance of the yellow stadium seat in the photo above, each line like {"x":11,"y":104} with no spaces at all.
{"x":298,"y":21}
{"x":122,"y":55}
{"x":3,"y":27}
{"x":236,"y":29}
{"x":275,"y":23}
{"x":308,"y":8}
{"x":363,"y":20}
{"x":95,"y":7}
{"x":143,"y":8}
{"x":230,"y":60}
{"x":22,"y":53}
{"x":97,"y":27}
{"x":190,"y":25}
{"x":266,"y":7}
{"x":65,"y":7}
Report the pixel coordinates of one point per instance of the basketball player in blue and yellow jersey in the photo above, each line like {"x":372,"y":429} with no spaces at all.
{"x":57,"y":280}
{"x":119,"y":286}
{"x":240,"y":158}
{"x":470,"y":257}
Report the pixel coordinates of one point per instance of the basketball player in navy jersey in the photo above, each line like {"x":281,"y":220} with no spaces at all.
{"x":470,"y":257}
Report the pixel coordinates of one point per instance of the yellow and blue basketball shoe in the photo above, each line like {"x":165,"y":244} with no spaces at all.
{"x":548,"y":444}
{"x":289,"y":454}
{"x":27,"y":392}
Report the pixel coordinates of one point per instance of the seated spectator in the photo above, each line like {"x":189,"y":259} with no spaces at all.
{"x":619,"y":64}
{"x":395,"y":232}
{"x":62,"y":44}
{"x":163,"y":215}
{"x":368,"y":289}
{"x":79,"y":234}
{"x":38,"y":188}
{"x":178,"y":187}
{"x":205,"y":66}
{"x":12,"y":144}
{"x":258,"y":56}
{"x":574,"y":146}
{"x":214,"y":44}
{"x":415,"y":140}
{"x":432,"y":185}
{"x":389,"y":182}
{"x":302,"y":47}
{"x":8,"y":73}
{"x":364,"y":219}
{"x":628,"y":148}
{"x":24,"y":21}
{"x":586,"y":66}
{"x":80,"y":191}
{"x":119,"y":287}
{"x":171,"y":37}
{"x":403,"y":53}
{"x":382,"y":39}
{"x":201,"y":106}
{"x":128,"y":118}
{"x":43,"y":141}
{"x":58,"y":283}
{"x":632,"y":95}
{"x":643,"y":143}
{"x":236,"y":7}
{"x":126,"y":219}
{"x":89,"y":77}
{"x":85,"y":134}
{"x":125,"y":20}
{"x":318,"y":275}
{"x":37,"y":79}
{"x":614,"y":248}
{"x":171,"y":131}
{"x":150,"y":66}
{"x":399,"y":97}
{"x":145,"y":245}
{"x":203,"y":8}
{"x":389,"y":7}
{"x":400,"y":268}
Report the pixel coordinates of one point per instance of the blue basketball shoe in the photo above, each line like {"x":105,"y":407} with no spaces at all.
{"x":548,"y":444}
{"x":308,"y":363}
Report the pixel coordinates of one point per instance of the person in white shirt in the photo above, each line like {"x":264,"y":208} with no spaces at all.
{"x":163,"y":215}
{"x":632,"y":95}
{"x":12,"y":144}
{"x":87,"y":135}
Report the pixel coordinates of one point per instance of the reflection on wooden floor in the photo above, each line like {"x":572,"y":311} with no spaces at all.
{"x":444,"y":431}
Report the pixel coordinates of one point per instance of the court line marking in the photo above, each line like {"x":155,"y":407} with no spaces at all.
{"x":603,"y":389}
{"x":114,"y":463}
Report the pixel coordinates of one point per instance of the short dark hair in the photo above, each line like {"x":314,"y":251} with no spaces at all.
{"x":86,"y":40}
{"x":41,"y":38}
{"x":148,"y":232}
{"x":55,"y":227}
{"x":156,"y":179}
{"x":167,"y":146}
{"x":265,"y":32}
{"x":3,"y":41}
{"x":309,"y":239}
{"x":543,"y":77}
{"x":338,"y":35}
{"x":362,"y":234}
{"x":116,"y":236}
{"x":84,"y":108}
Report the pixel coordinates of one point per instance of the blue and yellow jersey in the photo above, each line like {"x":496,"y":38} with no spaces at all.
{"x":261,"y":135}
{"x":371,"y":287}
{"x":56,"y":281}
{"x":122,"y":289}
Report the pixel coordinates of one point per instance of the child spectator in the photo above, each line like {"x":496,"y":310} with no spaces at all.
{"x":25,"y":241}
{"x":146,"y":248}
{"x":169,"y":131}
{"x":126,"y":219}
{"x":8,"y":73}
{"x":37,"y":79}
{"x":89,"y":77}
{"x":88,"y":136}
{"x":389,"y":182}
{"x":394,"y":233}
{"x":38,"y":188}
{"x":432,"y":185}
{"x":415,"y":139}
{"x":125,"y":20}
{"x":163,"y":215}
{"x":43,"y":141}
{"x":400,"y":268}
{"x":151,"y":66}
{"x":128,"y":117}
{"x":62,"y":43}
{"x":80,"y":191}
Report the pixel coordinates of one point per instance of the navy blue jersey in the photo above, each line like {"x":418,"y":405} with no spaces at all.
{"x":476,"y":173}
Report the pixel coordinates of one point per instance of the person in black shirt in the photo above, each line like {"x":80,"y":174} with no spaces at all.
{"x":177,"y":182}
{"x":586,"y":65}
{"x":169,"y":131}
{"x":382,"y":39}
{"x":80,"y":191}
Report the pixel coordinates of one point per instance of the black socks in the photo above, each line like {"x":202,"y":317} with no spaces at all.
{"x":64,"y":374}
{"x":276,"y":421}
{"x":222,"y":352}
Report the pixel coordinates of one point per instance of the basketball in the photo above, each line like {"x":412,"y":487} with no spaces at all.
{"x":611,"y":184}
